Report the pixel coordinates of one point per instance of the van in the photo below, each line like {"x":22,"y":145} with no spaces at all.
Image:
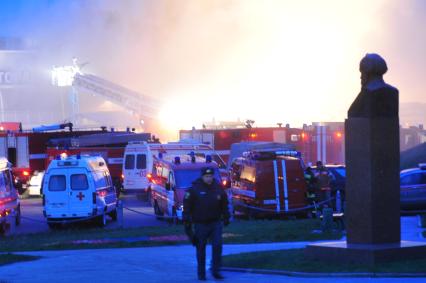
{"x":172,"y":176}
{"x":265,"y":184}
{"x":10,"y":207}
{"x":78,"y":188}
{"x":139,"y":158}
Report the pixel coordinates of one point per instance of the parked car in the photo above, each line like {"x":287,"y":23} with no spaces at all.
{"x":171,"y":177}
{"x":34,"y":185}
{"x":413,"y":188}
{"x":78,"y":188}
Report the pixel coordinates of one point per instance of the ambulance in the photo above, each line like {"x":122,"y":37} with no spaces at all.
{"x":268,"y":183}
{"x":139,"y":160}
{"x":172,"y":176}
{"x":10,"y":208}
{"x":78,"y":188}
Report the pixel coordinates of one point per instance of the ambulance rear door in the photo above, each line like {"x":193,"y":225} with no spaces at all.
{"x":81,"y":190}
{"x":135,"y":169}
{"x":56,"y":193}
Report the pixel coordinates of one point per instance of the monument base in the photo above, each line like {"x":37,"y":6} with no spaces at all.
{"x":369,"y":254}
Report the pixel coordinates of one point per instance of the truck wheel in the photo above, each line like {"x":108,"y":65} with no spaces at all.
{"x":53,"y":226}
{"x":148,"y":196}
{"x":157,"y":210}
{"x":101,"y":220}
{"x":113,"y":214}
{"x":174,"y":219}
{"x":18,"y":216}
{"x":11,"y":229}
{"x":2,"y":229}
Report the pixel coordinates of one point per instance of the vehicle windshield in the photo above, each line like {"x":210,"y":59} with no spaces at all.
{"x":341,"y":172}
{"x":184,"y":178}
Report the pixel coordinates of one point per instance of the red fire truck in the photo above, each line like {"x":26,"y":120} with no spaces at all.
{"x":268,"y":183}
{"x":30,"y":151}
{"x":319,"y":141}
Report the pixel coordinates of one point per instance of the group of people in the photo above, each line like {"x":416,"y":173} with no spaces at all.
{"x":319,"y":184}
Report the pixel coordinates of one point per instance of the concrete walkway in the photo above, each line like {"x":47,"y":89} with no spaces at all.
{"x":161,"y":264}
{"x":158,"y":264}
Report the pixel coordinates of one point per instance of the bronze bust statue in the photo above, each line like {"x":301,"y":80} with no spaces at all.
{"x":376,"y":99}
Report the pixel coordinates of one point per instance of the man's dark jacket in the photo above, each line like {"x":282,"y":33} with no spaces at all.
{"x":205,"y":203}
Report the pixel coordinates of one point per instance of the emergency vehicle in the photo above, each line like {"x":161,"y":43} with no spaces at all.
{"x":31,"y":151}
{"x":171,"y":177}
{"x":319,"y":141}
{"x":113,"y":157}
{"x":10,"y":208}
{"x":26,"y":150}
{"x":139,"y":160}
{"x":268,"y":183}
{"x":78,"y":187}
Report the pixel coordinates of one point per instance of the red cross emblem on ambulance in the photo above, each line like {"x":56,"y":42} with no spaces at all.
{"x":80,"y":196}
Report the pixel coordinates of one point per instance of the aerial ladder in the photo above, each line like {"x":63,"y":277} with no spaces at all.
{"x":142,"y":106}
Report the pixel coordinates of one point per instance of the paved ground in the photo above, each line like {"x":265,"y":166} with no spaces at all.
{"x":161,"y":264}
{"x":32,"y":208}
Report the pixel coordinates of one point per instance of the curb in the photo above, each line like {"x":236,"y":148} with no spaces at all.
{"x":320,"y":274}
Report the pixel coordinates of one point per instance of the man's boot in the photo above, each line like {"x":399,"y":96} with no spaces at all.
{"x":217,"y":275}
{"x":202,"y":276}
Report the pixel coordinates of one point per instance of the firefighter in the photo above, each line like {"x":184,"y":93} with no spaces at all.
{"x":206,"y":206}
{"x":323,"y":181}
{"x":311,"y":180}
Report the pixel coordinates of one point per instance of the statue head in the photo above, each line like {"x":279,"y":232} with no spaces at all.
{"x":372,"y":66}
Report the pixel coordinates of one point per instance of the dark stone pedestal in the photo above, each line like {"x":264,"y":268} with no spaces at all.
{"x":372,"y":213}
{"x":366,"y":254}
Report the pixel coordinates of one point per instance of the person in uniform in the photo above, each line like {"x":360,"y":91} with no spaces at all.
{"x":206,"y":206}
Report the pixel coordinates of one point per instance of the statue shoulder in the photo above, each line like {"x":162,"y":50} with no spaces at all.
{"x":379,"y":86}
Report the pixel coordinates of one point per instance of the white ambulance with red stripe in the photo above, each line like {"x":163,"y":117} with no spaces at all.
{"x":10,"y":209}
{"x":78,"y":188}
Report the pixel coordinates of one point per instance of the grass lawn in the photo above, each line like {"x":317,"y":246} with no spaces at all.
{"x":261,"y":231}
{"x":12,"y":258}
{"x":293,"y":260}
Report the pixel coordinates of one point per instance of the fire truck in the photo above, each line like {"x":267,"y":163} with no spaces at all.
{"x":31,"y":151}
{"x":319,"y":141}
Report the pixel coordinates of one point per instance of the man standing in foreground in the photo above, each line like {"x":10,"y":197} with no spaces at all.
{"x":206,"y":205}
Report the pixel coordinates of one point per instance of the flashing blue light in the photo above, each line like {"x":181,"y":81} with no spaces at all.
{"x":177,"y":160}
{"x":209,"y":159}
{"x":160,"y":155}
{"x":78,"y":156}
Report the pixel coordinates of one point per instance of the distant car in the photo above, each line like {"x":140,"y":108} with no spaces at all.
{"x":34,"y":186}
{"x":413,"y":188}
